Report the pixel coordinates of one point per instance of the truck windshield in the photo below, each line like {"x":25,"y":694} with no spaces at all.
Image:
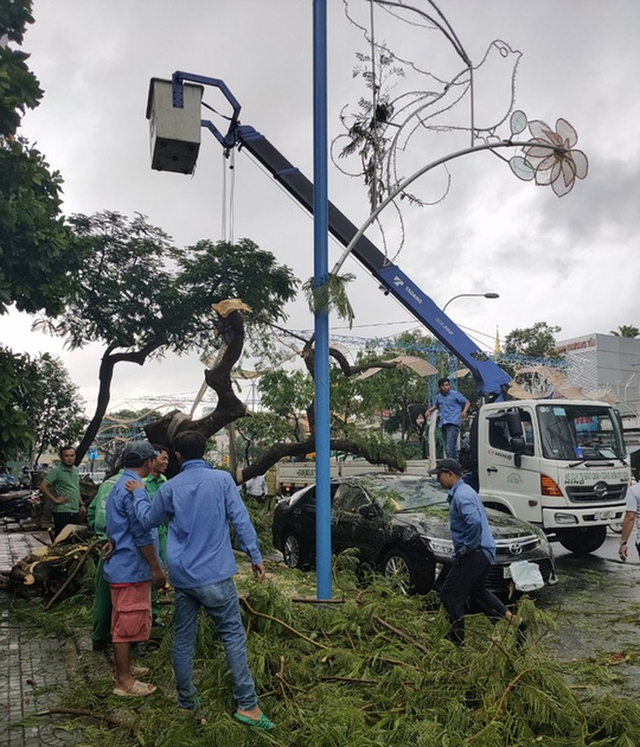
{"x":580,"y":432}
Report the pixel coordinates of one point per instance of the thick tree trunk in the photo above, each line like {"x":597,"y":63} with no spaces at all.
{"x":228,"y":408}
{"x":107,"y":365}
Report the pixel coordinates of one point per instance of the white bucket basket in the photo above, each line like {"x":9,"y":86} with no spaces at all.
{"x":175,"y":132}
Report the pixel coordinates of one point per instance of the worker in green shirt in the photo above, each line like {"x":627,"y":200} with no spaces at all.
{"x":97,"y":521}
{"x":152,"y":482}
{"x":61,"y":485}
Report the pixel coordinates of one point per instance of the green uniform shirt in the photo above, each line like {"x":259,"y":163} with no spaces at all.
{"x":64,"y":481}
{"x":153,"y":483}
{"x":97,"y":511}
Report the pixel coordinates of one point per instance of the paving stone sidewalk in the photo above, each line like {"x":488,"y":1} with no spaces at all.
{"x":33,"y":676}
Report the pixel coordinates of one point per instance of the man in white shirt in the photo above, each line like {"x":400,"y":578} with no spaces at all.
{"x":631,"y":517}
{"x":256,"y":487}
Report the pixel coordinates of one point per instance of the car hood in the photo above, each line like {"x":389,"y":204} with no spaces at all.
{"x":434,"y":522}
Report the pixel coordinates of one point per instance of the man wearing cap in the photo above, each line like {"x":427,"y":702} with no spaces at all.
{"x":199,"y":503}
{"x":130,"y":570}
{"x":474,"y":551}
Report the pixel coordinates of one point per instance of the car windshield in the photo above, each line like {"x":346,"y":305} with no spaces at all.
{"x":406,"y":494}
{"x":580,"y":432}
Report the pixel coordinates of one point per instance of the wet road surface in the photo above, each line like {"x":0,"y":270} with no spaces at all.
{"x":596,"y":605}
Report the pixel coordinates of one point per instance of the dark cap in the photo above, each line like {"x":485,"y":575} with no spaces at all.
{"x":136,"y":453}
{"x":447,"y":465}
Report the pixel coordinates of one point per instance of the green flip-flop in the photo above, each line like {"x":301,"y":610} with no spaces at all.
{"x":262,"y":722}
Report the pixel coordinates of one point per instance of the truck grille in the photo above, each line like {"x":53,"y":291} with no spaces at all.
{"x":587,"y":493}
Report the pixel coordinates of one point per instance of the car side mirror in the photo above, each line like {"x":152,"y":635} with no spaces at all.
{"x":368,"y":511}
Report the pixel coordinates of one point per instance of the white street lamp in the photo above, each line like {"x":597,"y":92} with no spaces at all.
{"x":466,"y":295}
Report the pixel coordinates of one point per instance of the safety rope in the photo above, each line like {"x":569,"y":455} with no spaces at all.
{"x":227,"y":227}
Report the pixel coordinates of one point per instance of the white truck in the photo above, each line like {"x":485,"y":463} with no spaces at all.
{"x":560,"y":464}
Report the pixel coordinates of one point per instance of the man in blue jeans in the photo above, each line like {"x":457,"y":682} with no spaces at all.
{"x":198,"y":504}
{"x":452,"y":408}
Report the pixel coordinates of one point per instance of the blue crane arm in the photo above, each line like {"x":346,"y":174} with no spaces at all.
{"x":491,"y":381}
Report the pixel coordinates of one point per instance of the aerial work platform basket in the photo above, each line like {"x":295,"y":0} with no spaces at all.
{"x":175,"y":130}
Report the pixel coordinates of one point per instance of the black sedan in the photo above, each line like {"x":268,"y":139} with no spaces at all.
{"x":399,"y":525}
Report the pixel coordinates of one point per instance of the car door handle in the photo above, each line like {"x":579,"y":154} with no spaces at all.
{"x":296,"y":512}
{"x":492,"y":469}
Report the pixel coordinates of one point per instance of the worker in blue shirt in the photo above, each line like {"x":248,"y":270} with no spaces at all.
{"x":474,"y":551}
{"x":130,"y":568}
{"x":199,"y":503}
{"x":452,"y":408}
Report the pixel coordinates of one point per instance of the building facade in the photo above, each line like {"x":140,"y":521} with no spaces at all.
{"x":605,"y":362}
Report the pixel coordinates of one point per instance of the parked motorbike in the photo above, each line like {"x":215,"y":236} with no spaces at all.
{"x":18,"y":505}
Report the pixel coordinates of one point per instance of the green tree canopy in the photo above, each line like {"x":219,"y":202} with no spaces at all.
{"x":626,"y":330}
{"x":57,"y":416}
{"x":20,"y":391}
{"x":140,"y":296}
{"x":40,"y":406}
{"x":537,"y":341}
{"x":37,"y":253}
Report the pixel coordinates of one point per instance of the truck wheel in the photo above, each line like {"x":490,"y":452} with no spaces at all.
{"x":291,"y":551}
{"x":398,"y":567}
{"x":583,"y":540}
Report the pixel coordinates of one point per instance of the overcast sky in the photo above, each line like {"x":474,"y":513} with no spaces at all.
{"x":571,"y":261}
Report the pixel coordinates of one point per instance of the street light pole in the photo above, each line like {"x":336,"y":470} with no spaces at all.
{"x":468,"y":295}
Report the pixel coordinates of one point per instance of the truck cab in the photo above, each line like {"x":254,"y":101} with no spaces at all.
{"x":560,"y":464}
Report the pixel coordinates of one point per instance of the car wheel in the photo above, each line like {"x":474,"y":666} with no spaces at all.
{"x":584,"y":540}
{"x":291,"y":551}
{"x":398,"y":567}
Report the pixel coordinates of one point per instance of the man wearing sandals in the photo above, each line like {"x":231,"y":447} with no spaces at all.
{"x":199,"y":503}
{"x":130,"y":569}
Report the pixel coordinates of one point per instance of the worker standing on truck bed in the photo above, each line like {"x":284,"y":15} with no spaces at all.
{"x":452,"y":408}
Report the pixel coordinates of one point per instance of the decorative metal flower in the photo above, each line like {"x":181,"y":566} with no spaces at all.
{"x":559,"y":168}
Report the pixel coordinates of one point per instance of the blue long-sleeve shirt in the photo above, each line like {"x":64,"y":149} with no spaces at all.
{"x":468,"y":522}
{"x":199,"y":503}
{"x":450,"y":407}
{"x":126,"y":564}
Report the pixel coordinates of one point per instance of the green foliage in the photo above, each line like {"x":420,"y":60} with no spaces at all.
{"x":14,"y":17}
{"x":211,"y":272}
{"x":626,"y":330}
{"x":331,"y":296}
{"x":57,"y":416}
{"x":126,"y":295}
{"x":40,"y":405}
{"x":20,"y":390}
{"x":373,"y":671}
{"x":537,"y":341}
{"x":37,"y":254}
{"x":259,"y":433}
{"x":367,"y":129}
